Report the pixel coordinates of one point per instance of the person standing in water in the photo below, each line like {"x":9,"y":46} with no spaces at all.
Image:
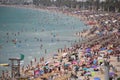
{"x":41,"y":46}
{"x":45,"y":51}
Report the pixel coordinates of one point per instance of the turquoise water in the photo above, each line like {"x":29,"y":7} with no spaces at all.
{"x":35,"y":31}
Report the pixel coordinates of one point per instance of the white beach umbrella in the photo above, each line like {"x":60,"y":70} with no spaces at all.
{"x":64,"y":54}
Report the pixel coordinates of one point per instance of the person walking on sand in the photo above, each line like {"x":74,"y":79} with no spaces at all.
{"x":118,"y":58}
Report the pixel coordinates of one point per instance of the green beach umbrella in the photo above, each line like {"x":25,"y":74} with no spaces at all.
{"x":21,"y":56}
{"x":100,"y":60}
{"x":93,"y":73}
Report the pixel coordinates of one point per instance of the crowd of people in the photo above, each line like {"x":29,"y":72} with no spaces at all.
{"x":84,"y":60}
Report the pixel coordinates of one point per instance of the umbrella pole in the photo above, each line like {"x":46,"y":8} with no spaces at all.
{"x":106,"y":66}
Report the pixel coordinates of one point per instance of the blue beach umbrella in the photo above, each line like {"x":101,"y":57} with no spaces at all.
{"x":97,"y":78}
{"x":94,"y":62}
{"x":85,"y":69}
{"x":101,"y":49}
{"x":109,"y":51}
{"x":41,"y":72}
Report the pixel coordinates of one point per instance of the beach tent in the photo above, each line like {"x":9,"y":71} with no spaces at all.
{"x":97,"y":78}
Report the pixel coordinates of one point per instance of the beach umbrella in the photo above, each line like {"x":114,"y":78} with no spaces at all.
{"x":93,"y":73}
{"x":36,"y":72}
{"x":90,"y":69}
{"x":21,"y":56}
{"x":97,"y":78}
{"x":95,"y":62}
{"x":88,"y":74}
{"x":111,"y":74}
{"x":47,"y":62}
{"x":85,"y":69}
{"x":114,"y":21}
{"x":101,"y":49}
{"x":41,"y":72}
{"x":88,"y":50}
{"x":66,"y":65}
{"x":100,"y":60}
{"x":94,"y":66}
{"x":64,"y":54}
{"x":57,"y":64}
{"x":91,"y":23}
{"x":74,"y":62}
{"x":109,"y":51}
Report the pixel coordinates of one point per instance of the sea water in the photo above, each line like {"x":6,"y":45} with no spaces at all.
{"x":35,"y":33}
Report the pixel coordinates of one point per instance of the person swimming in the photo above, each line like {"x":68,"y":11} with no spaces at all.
{"x":40,"y":40}
{"x":7,"y":33}
{"x":14,"y":41}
